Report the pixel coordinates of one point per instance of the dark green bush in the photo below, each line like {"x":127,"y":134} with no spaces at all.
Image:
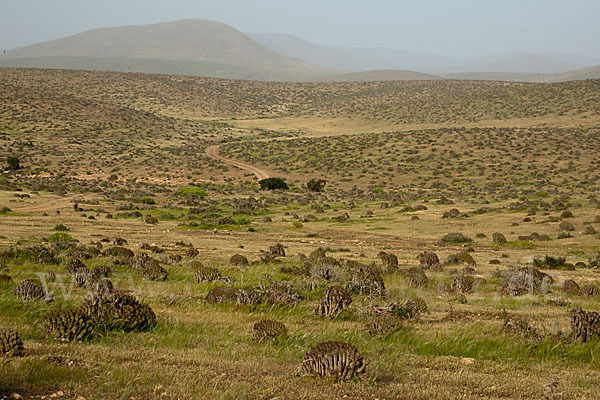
{"x":13,"y":163}
{"x":147,"y":200}
{"x":456,"y":238}
{"x":273,"y":184}
{"x":61,"y":228}
{"x":316,"y":185}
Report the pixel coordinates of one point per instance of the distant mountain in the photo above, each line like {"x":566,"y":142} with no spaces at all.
{"x":580,"y":74}
{"x":354,"y":59}
{"x":189,"y":47}
{"x":575,"y":75}
{"x":380,"y":75}
{"x":358,"y":59}
{"x":518,"y":63}
{"x":494,"y":76}
{"x":198,"y":47}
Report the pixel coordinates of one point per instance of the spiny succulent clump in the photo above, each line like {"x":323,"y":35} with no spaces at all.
{"x":499,"y":238}
{"x":149,"y":268}
{"x":175,"y":259}
{"x":585,"y":325}
{"x":81,"y":253}
{"x":206,"y":274}
{"x":389,"y":260}
{"x":248,"y":297}
{"x":277,"y":250}
{"x":83,"y":278}
{"x":238,"y":259}
{"x":366,"y":279}
{"x":102,"y":271}
{"x":339,"y":359}
{"x":416,"y":277}
{"x":461,"y":258}
{"x":114,"y":310}
{"x":221,"y":294}
{"x":317,"y":254}
{"x":30,"y":290}
{"x":462,"y":283}
{"x":154,"y":272}
{"x":521,"y":327}
{"x":280,"y":293}
{"x":420,"y":304}
{"x":266,"y":330}
{"x":408,"y":309}
{"x":75,"y":265}
{"x":11,"y":344}
{"x":518,"y":281}
{"x":589,"y":289}
{"x":103,"y":288}
{"x":382,"y":324}
{"x":69,"y":324}
{"x":335,"y":300}
{"x":571,"y":287}
{"x":151,"y":247}
{"x":191,"y":253}
{"x":326,"y":268}
{"x":429,"y":260}
{"x":121,"y":253}
{"x":86,"y":278}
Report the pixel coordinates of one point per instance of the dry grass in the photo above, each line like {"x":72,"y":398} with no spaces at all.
{"x":203,"y":350}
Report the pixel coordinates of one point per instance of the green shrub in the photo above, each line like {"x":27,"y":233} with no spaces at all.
{"x":60,"y":237}
{"x":243,"y":221}
{"x":61,"y":228}
{"x":273,"y":184}
{"x":191,"y":191}
{"x":456,"y":238}
{"x":549,"y":262}
{"x":13,"y":163}
{"x":316,"y":185}
{"x":147,"y":200}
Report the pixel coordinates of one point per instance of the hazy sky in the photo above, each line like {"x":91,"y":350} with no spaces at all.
{"x":446,"y":27}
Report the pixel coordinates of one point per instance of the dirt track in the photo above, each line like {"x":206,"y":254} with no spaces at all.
{"x":48,"y":205}
{"x":213,"y":152}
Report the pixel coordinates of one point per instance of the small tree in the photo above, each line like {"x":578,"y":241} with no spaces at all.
{"x":13,"y":163}
{"x":273,"y":184}
{"x":316,"y":185}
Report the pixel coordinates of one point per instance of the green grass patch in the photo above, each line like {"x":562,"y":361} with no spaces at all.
{"x":191,"y":191}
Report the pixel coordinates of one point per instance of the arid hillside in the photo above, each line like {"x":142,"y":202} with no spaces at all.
{"x":167,"y":237}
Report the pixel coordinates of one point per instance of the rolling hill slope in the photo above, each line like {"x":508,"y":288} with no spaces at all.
{"x":189,"y":47}
{"x":381,"y":76}
{"x":575,"y":75}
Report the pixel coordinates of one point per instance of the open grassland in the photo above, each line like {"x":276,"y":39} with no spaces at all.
{"x":117,"y":162}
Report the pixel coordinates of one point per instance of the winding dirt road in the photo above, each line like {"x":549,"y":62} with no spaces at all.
{"x":213,"y":152}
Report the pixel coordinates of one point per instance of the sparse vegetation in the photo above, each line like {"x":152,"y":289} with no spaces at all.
{"x":199,"y":271}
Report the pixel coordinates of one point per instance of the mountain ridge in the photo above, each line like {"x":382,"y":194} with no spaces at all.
{"x":198,"y":47}
{"x":360,"y":59}
{"x":209,"y":47}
